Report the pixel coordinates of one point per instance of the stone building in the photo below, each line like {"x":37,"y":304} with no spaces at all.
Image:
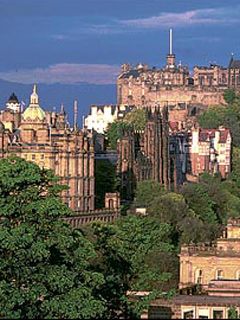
{"x":209,"y":280}
{"x":214,"y":76}
{"x":101,"y":116}
{"x":143,"y":86}
{"x":46,"y":139}
{"x":154,"y":154}
{"x":234,"y":73}
{"x":170,"y":154}
{"x":210,"y":151}
{"x":212,"y":265}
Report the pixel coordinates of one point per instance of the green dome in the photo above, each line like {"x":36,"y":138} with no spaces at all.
{"x":33,"y":113}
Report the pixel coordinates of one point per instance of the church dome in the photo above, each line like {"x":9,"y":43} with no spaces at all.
{"x":34,"y":112}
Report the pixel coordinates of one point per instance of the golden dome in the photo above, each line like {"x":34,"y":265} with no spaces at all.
{"x":33,"y":113}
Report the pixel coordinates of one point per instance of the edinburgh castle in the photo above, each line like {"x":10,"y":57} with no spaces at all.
{"x":185,"y":92}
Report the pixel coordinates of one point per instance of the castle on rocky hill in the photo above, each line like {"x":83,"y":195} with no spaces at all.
{"x":175,"y":84}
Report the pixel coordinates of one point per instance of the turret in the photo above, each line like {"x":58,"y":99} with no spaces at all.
{"x":13,"y":103}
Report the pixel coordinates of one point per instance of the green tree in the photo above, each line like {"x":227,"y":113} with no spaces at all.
{"x":136,"y":119}
{"x":45,"y":266}
{"x":146,"y":192}
{"x":233,"y":313}
{"x":212,"y":118}
{"x":229,"y":96}
{"x":114,"y":132}
{"x":227,"y":116}
{"x":105,"y":180}
{"x":171,"y":208}
{"x":126,"y":252}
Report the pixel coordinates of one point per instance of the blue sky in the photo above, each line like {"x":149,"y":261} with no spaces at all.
{"x":85,"y":41}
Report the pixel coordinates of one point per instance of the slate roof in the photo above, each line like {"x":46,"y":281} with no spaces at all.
{"x":13,"y":98}
{"x":134,"y":73}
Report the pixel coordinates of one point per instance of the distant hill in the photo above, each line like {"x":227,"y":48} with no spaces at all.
{"x":55,"y":94}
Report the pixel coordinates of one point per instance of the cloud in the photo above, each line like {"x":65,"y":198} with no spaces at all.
{"x":65,"y":73}
{"x":194,"y":17}
{"x":199,"y":17}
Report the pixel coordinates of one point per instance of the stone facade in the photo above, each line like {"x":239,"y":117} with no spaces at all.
{"x":210,"y":151}
{"x":212,"y":268}
{"x":170,"y":154}
{"x":145,"y":86}
{"x":158,"y":153}
{"x":192,"y":307}
{"x":214,"y":76}
{"x":207,"y":264}
{"x":46,"y":139}
{"x":234,"y":74}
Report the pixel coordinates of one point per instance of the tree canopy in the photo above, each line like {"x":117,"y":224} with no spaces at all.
{"x":44,"y":263}
{"x":227,"y":116}
{"x":105,"y":180}
{"x":49,"y":270}
{"x":134,"y":120}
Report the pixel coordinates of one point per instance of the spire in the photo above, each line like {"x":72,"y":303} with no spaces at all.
{"x":62,"y":110}
{"x":171,"y":55}
{"x":231,"y":60}
{"x":170,"y":42}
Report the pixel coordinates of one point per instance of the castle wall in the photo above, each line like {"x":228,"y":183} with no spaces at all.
{"x":133,"y":94}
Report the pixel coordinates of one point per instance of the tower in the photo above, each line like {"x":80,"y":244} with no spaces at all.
{"x":75,"y":114}
{"x":170,"y":56}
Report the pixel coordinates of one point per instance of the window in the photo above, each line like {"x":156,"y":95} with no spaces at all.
{"x":42,"y":156}
{"x":188,"y":314}
{"x":217,"y":314}
{"x":33,"y":156}
{"x":203,"y":313}
{"x":199,"y":276}
{"x":111,"y":204}
{"x":219,"y":274}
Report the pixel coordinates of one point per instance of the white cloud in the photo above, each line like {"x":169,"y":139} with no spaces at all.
{"x":65,"y":73}
{"x":193,"y":17}
{"x":208,"y":16}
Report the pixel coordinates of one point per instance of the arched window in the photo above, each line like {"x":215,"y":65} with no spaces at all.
{"x":111,"y":204}
{"x":199,"y":276}
{"x":219,"y":274}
